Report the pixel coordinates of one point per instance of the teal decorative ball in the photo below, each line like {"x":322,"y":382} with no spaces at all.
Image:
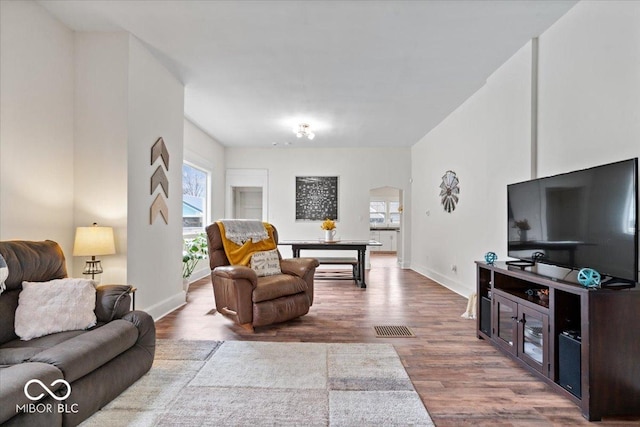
{"x":490,"y":257}
{"x":589,"y":278}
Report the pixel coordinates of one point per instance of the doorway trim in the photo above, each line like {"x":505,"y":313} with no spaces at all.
{"x":247,"y":178}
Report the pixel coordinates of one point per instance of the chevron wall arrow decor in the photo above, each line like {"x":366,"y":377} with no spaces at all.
{"x":159,"y":206}
{"x":160,"y":179}
{"x":159,"y":149}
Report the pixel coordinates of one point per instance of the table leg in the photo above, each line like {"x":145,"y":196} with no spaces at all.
{"x":361,"y":260}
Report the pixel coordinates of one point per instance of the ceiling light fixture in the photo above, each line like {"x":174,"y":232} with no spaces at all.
{"x":304,"y":130}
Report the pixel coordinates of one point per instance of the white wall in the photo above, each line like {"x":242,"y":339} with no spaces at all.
{"x":80,"y":112}
{"x":100,"y":155}
{"x":125,"y":101}
{"x":202,"y":150}
{"x":590,"y":100}
{"x":385,"y":193}
{"x":359,"y":171}
{"x":36,"y":126}
{"x":154,"y":255}
{"x":590,"y":87}
{"x":486,"y":142}
{"x":589,"y":114}
{"x":205,"y":152}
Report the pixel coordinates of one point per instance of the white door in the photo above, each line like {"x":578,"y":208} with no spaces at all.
{"x":247,"y":203}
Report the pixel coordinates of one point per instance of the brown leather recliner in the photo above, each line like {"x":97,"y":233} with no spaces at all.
{"x":253,"y":301}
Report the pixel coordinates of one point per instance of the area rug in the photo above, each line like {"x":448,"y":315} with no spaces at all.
{"x":207,"y":383}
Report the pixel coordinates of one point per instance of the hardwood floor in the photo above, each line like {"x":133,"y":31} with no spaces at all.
{"x":463,"y":381}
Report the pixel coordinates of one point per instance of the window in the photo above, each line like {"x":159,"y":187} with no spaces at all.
{"x":377,"y":213}
{"x":195,"y":191}
{"x":384,"y":213}
{"x":394,"y":213}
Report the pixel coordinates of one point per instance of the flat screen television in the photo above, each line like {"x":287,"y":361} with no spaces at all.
{"x":582,"y":219}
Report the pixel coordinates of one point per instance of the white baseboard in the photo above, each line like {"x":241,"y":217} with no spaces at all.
{"x":445,"y":281}
{"x":161,"y":309}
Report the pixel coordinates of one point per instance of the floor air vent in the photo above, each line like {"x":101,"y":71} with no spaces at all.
{"x":393,"y":331}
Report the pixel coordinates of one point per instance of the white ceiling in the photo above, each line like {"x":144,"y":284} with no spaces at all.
{"x":362,"y":73}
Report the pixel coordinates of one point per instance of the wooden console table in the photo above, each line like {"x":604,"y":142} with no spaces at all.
{"x":341,"y":245}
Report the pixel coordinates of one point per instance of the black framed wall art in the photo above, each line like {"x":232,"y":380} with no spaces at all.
{"x":316,"y":198}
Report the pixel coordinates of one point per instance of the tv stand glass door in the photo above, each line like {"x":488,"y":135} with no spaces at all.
{"x":522,"y":331}
{"x":533,"y":328}
{"x":506,"y":329}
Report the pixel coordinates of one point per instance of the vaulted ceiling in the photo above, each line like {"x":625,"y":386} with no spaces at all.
{"x":362,"y":73}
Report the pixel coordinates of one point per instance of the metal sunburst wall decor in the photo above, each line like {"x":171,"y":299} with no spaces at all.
{"x":449,"y":191}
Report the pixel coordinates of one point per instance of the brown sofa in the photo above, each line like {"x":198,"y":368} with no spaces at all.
{"x":253,"y":301}
{"x":99,"y":363}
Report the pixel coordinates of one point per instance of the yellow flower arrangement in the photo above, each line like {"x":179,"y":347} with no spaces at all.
{"x":328,"y":224}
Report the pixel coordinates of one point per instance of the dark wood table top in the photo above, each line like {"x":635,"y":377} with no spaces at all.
{"x":323,"y":244}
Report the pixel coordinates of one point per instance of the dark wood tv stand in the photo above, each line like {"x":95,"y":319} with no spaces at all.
{"x":595,"y":363}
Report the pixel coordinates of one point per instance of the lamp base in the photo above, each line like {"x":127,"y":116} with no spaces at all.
{"x":92,"y":267}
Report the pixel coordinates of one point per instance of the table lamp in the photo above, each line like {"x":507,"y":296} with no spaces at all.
{"x":92,"y":241}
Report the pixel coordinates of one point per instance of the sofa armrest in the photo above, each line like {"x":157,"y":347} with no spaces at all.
{"x":298,"y":266}
{"x":146,"y":330}
{"x":112,"y":302}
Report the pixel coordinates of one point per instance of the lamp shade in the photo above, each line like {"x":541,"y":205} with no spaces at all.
{"x":94,"y":240}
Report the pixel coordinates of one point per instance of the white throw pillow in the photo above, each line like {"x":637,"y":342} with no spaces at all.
{"x":58,"y":305}
{"x":266,"y":263}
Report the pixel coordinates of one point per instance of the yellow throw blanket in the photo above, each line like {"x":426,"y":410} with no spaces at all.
{"x":241,"y":254}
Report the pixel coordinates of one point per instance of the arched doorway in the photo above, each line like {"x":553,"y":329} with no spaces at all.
{"x":385,"y":220}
